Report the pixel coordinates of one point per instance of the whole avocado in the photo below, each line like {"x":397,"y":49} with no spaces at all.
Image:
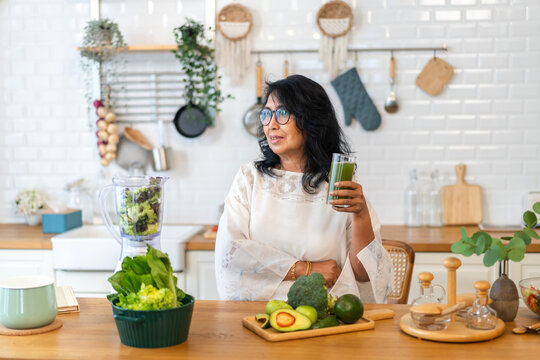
{"x":309,"y":290}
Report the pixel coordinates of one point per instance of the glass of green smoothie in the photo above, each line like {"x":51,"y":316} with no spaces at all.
{"x":342,"y":169}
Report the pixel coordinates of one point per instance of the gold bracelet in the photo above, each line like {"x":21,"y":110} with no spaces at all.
{"x":293,"y":275}
{"x":308,"y":270}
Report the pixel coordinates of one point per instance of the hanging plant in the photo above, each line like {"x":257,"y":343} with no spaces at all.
{"x":102,"y":43}
{"x":201,"y":82}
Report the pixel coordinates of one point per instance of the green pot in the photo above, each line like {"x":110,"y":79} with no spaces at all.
{"x":27,"y":302}
{"x":154,"y":328}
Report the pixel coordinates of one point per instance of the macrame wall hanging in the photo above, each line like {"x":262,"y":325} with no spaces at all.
{"x":234,"y":23}
{"x":335,"y":19}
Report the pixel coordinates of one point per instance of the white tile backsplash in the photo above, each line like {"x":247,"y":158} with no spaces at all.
{"x":488,"y":117}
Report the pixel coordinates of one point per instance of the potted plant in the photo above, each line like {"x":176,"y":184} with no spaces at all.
{"x":503,"y":291}
{"x":101,"y":45}
{"x":201,"y":82}
{"x":29,"y":203}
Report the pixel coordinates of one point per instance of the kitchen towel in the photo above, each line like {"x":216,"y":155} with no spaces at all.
{"x":356,"y":101}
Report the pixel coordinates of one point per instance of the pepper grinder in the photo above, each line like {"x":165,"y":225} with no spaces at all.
{"x":481,"y":316}
{"x":426,"y":290}
{"x":452,"y":264}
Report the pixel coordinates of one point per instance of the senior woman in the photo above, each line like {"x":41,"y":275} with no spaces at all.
{"x":276,"y":224}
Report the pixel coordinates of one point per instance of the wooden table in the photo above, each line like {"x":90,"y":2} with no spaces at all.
{"x":217,"y":332}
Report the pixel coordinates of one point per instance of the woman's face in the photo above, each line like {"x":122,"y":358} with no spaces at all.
{"x":284,"y":140}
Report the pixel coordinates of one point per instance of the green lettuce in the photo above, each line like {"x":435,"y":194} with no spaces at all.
{"x":146,"y":282}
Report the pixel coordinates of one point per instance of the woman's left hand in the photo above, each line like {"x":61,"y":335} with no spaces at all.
{"x":354,"y":201}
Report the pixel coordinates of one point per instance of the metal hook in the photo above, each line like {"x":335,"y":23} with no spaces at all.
{"x":391,"y":52}
{"x":356,"y":59}
{"x":258,"y":56}
{"x":434,"y":54}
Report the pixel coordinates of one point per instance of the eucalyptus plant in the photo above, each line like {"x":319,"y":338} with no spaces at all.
{"x":101,"y":45}
{"x":493,"y":249}
{"x":201,"y":82}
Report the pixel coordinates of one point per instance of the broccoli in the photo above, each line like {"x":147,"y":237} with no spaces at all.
{"x":309,"y":290}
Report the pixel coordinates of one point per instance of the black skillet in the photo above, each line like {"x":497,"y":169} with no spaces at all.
{"x":190,"y":121}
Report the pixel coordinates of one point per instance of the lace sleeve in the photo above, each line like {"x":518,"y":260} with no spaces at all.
{"x":246,"y":269}
{"x":377,"y":263}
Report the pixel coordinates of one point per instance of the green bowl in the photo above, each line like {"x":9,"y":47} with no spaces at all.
{"x":154,"y":328}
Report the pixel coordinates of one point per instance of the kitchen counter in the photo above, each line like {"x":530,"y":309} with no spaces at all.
{"x":422,"y":239}
{"x":24,"y":237}
{"x":217,"y":332}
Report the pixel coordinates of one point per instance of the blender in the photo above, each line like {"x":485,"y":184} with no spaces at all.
{"x":139,"y":212}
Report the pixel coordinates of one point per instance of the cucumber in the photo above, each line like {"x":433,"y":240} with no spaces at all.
{"x":329,"y":321}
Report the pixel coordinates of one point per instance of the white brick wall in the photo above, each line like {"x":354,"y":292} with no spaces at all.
{"x":488,"y":117}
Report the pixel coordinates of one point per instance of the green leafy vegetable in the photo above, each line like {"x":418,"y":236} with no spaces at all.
{"x":148,"y":298}
{"x":151,"y":271}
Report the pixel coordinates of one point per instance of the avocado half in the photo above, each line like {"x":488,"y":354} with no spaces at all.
{"x":264,"y":320}
{"x":286,"y":320}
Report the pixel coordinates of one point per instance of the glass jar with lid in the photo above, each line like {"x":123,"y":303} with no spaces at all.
{"x":481,"y":316}
{"x":427,"y":294}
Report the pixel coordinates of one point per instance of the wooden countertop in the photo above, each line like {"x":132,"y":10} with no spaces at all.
{"x":22,"y":236}
{"x":216,"y":332}
{"x":422,"y":239}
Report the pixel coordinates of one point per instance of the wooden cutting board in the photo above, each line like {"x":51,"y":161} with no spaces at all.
{"x":434,"y":76}
{"x":461,"y":203}
{"x":365,"y":323}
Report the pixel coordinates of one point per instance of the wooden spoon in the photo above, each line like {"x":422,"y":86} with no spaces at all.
{"x":137,"y":137}
{"x":430,"y":312}
{"x":534,"y":328}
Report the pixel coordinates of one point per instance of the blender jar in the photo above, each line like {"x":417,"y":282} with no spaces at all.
{"x":139,"y":212}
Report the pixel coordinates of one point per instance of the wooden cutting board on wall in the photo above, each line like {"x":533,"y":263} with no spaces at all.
{"x":462,"y":202}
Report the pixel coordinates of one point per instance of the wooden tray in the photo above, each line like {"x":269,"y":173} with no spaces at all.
{"x":365,"y":323}
{"x":457,"y":332}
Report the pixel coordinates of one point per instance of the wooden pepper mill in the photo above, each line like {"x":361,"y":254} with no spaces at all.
{"x":452,"y":264}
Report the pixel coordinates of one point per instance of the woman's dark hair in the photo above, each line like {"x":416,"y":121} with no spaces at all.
{"x":316,"y":119}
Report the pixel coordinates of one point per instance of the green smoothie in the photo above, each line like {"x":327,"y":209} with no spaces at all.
{"x":339,"y":171}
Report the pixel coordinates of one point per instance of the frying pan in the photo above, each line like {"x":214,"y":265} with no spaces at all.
{"x":190,"y":121}
{"x":252,"y":124}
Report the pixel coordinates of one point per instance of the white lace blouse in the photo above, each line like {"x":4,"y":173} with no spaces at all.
{"x":269,"y":223}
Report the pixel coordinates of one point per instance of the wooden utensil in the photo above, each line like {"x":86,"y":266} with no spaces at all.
{"x":534,"y":328}
{"x":452,"y":264}
{"x":437,"y":309}
{"x":461,"y":203}
{"x":391,"y":104}
{"x":251,"y":118}
{"x":137,"y":137}
{"x":434,"y":76}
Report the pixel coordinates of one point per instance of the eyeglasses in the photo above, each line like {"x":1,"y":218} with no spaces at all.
{"x":282,"y":116}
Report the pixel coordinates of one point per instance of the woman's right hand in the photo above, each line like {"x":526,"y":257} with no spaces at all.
{"x":329,"y":269}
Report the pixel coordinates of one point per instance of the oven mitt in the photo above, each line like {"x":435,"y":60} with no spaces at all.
{"x":356,"y":101}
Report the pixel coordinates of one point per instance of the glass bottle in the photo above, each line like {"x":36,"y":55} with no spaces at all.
{"x":427,"y":295}
{"x":481,"y":316}
{"x":411,"y":200}
{"x":435,"y":200}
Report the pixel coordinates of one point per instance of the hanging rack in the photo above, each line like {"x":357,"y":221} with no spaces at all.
{"x":443,"y":48}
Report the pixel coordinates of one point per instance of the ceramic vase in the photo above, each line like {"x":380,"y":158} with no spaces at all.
{"x":33,"y":220}
{"x":505,"y":295}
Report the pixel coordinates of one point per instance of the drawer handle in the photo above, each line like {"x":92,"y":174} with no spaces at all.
{"x":127,"y":318}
